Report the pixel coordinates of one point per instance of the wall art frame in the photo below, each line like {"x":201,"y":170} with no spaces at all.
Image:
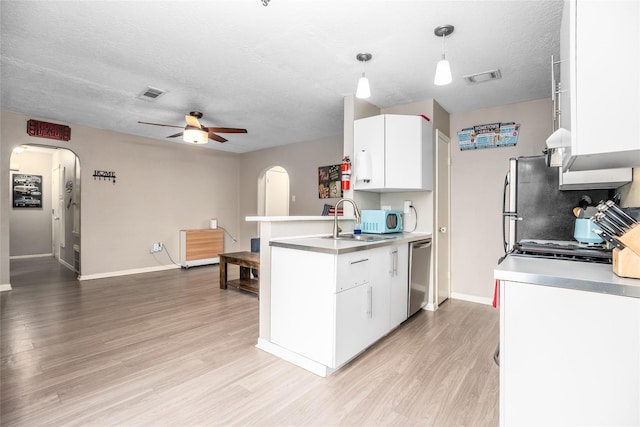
{"x":26,"y":190}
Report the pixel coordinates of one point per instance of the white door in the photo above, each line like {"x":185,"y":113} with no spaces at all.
{"x":57,"y":210}
{"x":276,"y":197}
{"x":442,"y":235}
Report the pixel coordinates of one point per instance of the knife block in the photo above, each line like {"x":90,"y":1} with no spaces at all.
{"x":626,"y":262}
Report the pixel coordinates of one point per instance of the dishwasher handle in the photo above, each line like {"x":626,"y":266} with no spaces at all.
{"x":421,"y":245}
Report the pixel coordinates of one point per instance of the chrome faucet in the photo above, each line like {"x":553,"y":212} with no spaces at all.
{"x":336,"y":229}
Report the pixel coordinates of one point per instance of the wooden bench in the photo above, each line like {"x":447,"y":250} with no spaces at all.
{"x":246,"y":261}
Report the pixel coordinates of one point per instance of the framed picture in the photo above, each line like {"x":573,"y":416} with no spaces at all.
{"x":27,"y":190}
{"x":329,"y":182}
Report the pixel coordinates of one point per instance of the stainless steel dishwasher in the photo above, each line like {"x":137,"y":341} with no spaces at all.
{"x":419,"y":273}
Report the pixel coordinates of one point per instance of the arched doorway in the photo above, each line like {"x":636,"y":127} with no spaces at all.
{"x":45,"y":213}
{"x":273,"y":192}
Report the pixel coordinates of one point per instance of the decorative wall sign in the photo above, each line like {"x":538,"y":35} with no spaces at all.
{"x":27,"y":190}
{"x":106,"y":175}
{"x":48,"y":130}
{"x":329,"y":182}
{"x":489,"y":135}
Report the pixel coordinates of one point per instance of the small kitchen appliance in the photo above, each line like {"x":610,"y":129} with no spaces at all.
{"x":583,"y":231}
{"x":381,"y":221}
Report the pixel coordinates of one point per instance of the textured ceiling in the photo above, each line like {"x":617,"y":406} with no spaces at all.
{"x":279,"y":71}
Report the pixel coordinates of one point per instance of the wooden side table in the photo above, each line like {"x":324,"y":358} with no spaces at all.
{"x":246,"y":261}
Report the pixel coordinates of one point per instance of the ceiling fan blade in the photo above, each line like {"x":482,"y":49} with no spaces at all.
{"x":216,"y":137}
{"x":192,"y":121}
{"x":160,"y":124}
{"x":225,"y":130}
{"x":176,"y":134}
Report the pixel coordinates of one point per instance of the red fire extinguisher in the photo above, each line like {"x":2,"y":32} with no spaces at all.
{"x":345,"y":172}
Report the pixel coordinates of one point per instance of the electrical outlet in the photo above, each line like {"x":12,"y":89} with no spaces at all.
{"x":407,"y":206}
{"x":156,"y":247}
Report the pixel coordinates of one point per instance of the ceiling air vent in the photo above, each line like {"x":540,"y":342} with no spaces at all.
{"x":151,"y":94}
{"x":483,"y":77}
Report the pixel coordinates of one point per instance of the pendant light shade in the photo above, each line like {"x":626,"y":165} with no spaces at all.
{"x":364,"y":90}
{"x":443,"y":69}
{"x":443,"y":73}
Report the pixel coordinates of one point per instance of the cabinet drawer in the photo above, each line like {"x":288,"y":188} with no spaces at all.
{"x":353,"y":270}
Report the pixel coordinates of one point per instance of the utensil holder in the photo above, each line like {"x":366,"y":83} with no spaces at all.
{"x":631,"y":239}
{"x":626,"y":262}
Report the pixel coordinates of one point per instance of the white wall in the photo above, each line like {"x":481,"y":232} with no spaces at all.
{"x":301,"y":161}
{"x":477,"y":178}
{"x":161,"y":188}
{"x":31,"y":227}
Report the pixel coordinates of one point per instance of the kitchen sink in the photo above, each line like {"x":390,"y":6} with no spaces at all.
{"x":360,"y":237}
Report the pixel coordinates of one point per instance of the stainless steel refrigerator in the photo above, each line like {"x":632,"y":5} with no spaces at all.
{"x":534,"y":208}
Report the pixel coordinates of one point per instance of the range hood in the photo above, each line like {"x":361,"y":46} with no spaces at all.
{"x":556,"y":145}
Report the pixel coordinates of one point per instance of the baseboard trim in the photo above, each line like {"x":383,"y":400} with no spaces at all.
{"x":30,"y":256}
{"x":291,"y":357}
{"x":5,"y":287}
{"x":472,"y":298}
{"x":127,"y":272}
{"x":66,"y":264}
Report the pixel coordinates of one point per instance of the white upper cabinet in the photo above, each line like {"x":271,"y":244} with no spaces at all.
{"x":393,"y":153}
{"x":603,"y":83}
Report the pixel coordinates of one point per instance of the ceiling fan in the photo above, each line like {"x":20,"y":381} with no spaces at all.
{"x":195,"y":132}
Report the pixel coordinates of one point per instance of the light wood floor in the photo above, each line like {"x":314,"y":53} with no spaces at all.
{"x":171,"y":348}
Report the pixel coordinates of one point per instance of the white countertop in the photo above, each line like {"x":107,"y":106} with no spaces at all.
{"x":331,"y":246}
{"x":585,"y":276}
{"x":296,"y":218}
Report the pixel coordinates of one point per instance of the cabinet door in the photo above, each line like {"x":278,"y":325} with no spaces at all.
{"x":302,"y":302}
{"x":368,"y":151}
{"x":408,"y":153}
{"x":380,"y":293}
{"x":604,"y":98}
{"x":399,"y":282}
{"x":353,"y":318}
{"x":568,"y":357}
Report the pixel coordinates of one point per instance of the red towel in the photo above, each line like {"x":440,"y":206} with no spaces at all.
{"x":496,"y":294}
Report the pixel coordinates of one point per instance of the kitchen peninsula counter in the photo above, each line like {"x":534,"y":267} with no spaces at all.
{"x":328,"y":245}
{"x":576,"y":275}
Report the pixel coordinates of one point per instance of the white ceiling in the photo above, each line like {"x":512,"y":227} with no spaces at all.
{"x":280,"y":71}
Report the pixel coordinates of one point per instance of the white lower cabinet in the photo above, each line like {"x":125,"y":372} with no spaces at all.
{"x":328,"y":308}
{"x":568,"y":357}
{"x":353,"y":316}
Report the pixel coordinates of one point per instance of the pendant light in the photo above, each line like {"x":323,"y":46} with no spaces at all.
{"x":363,"y":91}
{"x":443,"y":69}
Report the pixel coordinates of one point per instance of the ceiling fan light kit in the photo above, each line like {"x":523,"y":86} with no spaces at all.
{"x":443,"y":69}
{"x":364,"y":90}
{"x":195,"y":133}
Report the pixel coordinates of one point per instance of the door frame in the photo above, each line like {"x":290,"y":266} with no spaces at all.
{"x":442,"y":253}
{"x":264,"y":188}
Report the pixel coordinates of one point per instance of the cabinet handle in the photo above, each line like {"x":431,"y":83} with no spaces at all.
{"x":360,"y":260}
{"x":394,"y":263}
{"x":369,"y":301}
